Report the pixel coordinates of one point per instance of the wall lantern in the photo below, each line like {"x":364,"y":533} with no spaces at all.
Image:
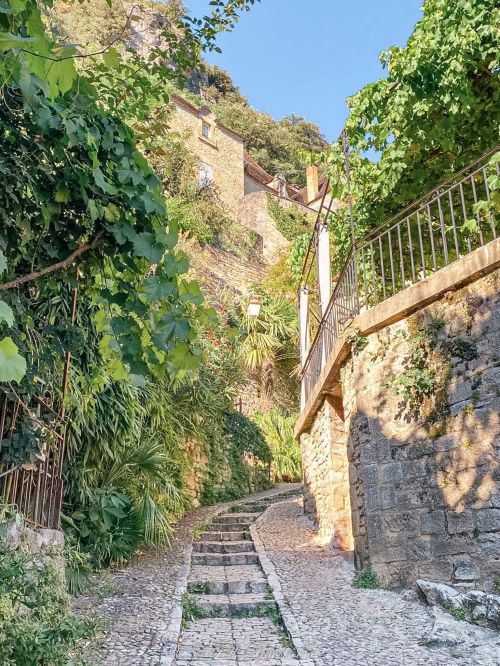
{"x":253,"y":309}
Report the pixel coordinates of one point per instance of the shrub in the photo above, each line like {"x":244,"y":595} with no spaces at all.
{"x":291,"y":221}
{"x":286,"y":460}
{"x":36,"y":624}
{"x":366,"y":579}
{"x":241,"y":466}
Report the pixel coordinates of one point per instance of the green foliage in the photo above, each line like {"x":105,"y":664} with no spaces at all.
{"x":420,"y":378}
{"x":198,"y":212}
{"x":190,"y":610}
{"x":356,"y":341}
{"x":276,"y":145}
{"x":290,"y":220}
{"x":365,"y":579}
{"x":37,"y":627}
{"x":435,"y":111}
{"x":241,"y":466}
{"x":25,"y":443}
{"x":106,"y":528}
{"x":198,"y":587}
{"x":271,"y":336}
{"x":278,"y":428}
{"x":297,"y":256}
{"x":459,"y":612}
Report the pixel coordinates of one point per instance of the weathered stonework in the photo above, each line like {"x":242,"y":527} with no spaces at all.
{"x":218,"y":270}
{"x":423,"y":482}
{"x":326,"y":478}
{"x":223,"y":150}
{"x":253,"y":214}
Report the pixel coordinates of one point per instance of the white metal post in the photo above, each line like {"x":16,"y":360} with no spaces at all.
{"x":304,"y":333}
{"x":324,"y":279}
{"x":324,"y":267}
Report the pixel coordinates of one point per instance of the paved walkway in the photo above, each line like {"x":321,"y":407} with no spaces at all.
{"x":230,"y":615}
{"x":342,"y":626}
{"x":140,"y":604}
{"x":245,"y":563}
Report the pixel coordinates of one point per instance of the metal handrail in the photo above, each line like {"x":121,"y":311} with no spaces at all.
{"x":420,"y":240}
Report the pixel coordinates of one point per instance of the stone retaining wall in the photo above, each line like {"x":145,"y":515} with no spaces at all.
{"x":423,"y":477}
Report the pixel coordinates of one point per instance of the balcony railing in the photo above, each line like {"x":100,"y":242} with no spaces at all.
{"x":448,"y":223}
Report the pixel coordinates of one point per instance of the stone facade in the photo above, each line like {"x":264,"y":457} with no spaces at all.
{"x":326,"y":478}
{"x":253,"y":214}
{"x":222,"y":150}
{"x":423,"y":478}
{"x":219,"y":271}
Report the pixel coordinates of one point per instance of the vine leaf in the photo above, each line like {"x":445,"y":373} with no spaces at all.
{"x":6,"y":314}
{"x":12,"y":364}
{"x":145,"y":246}
{"x":3,"y":262}
{"x":111,"y":58}
{"x":9,"y":41}
{"x":156,"y":290}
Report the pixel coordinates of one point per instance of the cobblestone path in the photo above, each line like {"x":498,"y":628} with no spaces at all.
{"x":243,"y":560}
{"x":140,"y":604}
{"x":232,"y":618}
{"x":342,"y":626}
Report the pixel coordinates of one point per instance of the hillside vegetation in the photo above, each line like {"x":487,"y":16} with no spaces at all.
{"x":277,"y":145}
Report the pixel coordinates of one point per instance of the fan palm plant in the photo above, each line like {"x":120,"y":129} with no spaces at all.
{"x":278,"y":426}
{"x":270,"y":342}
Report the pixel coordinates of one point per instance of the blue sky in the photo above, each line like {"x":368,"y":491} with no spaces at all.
{"x":308,"y":56}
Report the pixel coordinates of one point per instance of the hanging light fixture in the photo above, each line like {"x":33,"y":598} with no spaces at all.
{"x":253,"y":308}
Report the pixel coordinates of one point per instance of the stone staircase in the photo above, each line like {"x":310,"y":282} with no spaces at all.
{"x":227,"y":581}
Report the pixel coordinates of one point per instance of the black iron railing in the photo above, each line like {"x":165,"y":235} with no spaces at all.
{"x":31,"y":486}
{"x":446,"y":224}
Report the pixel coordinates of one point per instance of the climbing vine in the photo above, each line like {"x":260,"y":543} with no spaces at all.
{"x":290,"y":221}
{"x":435,"y":111}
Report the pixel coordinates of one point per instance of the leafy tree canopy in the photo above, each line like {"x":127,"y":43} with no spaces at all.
{"x":437,"y":109}
{"x":76,"y":190}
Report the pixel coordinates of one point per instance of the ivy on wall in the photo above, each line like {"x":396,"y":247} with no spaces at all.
{"x":290,"y":220}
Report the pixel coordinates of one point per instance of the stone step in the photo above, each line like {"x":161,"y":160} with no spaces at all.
{"x":222,"y":574}
{"x":228,"y":560}
{"x":227,"y":587}
{"x":235,"y":518}
{"x":230,"y":527}
{"x":285,"y":496}
{"x":227,"y":605}
{"x":223,"y":547}
{"x":226,"y":536}
{"x":250,"y":508}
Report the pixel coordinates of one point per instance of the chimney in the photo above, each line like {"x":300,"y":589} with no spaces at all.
{"x":312,"y":182}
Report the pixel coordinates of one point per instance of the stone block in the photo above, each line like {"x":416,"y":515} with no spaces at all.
{"x":459,"y":390}
{"x":437,"y":569}
{"x":459,"y":523}
{"x":370,"y":475}
{"x":439,"y":594}
{"x":433,"y":522}
{"x":51,"y":539}
{"x":392,"y":473}
{"x":419,"y":449}
{"x":413,"y":470}
{"x":444,"y":443}
{"x":448,"y":546}
{"x":368,"y":454}
{"x":488,"y":520}
{"x":387,"y":498}
{"x":371,"y":499}
{"x":465,"y":570}
{"x":419,"y":549}
{"x":31,"y":540}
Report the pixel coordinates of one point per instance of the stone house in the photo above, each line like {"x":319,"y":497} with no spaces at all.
{"x":243,"y":185}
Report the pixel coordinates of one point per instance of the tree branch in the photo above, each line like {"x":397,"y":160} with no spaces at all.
{"x":54,"y":267}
